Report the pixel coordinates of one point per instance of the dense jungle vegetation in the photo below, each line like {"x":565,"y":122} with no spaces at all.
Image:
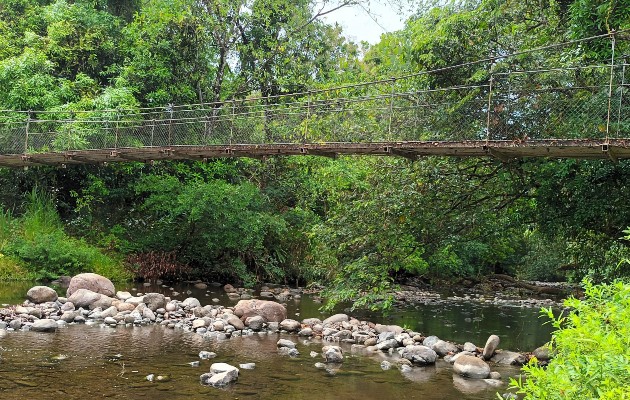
{"x":358,"y":225}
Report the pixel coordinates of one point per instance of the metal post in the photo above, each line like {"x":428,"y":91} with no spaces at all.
{"x":116,"y":129}
{"x":612,"y":72}
{"x":28,"y":124}
{"x":391,"y":108}
{"x":170,"y":124}
{"x":621,"y":90}
{"x":308,"y":116}
{"x":232,"y":121}
{"x":152,"y":131}
{"x":488,"y":137}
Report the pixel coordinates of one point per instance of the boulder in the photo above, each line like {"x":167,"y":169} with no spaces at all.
{"x":255,"y":323}
{"x":443,"y":348}
{"x":290,"y":325}
{"x":41,"y":294}
{"x":419,"y":355}
{"x":44,"y":325}
{"x":471,"y":367}
{"x":509,"y":358}
{"x":85,"y":298}
{"x":332,"y":354}
{"x":206,"y":355}
{"x":136,"y":301}
{"x":395,"y":329}
{"x":123,"y":295}
{"x":235,"y":322}
{"x":201,"y":285}
{"x":154,"y":301}
{"x":491,"y":345}
{"x":93,"y":282}
{"x":221,"y":374}
{"x":336,"y":318}
{"x":387,"y":344}
{"x":270,"y":311}
{"x":429,"y":341}
{"x":191,"y":302}
{"x":542,"y":353}
{"x":470,"y":347}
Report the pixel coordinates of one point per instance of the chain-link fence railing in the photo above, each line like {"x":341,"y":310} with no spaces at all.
{"x":514,"y":99}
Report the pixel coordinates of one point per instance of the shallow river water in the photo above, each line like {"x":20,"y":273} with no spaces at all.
{"x":82,"y":361}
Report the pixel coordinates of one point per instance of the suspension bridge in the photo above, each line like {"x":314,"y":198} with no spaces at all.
{"x":526,"y":104}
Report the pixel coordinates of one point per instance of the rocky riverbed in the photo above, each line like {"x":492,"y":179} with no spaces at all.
{"x":92,"y":299}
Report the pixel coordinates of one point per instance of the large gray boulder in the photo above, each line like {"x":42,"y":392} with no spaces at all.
{"x":191,"y":302}
{"x":269,"y":310}
{"x":44,"y":325}
{"x":85,"y":298}
{"x":443,"y":348}
{"x":290,"y":325}
{"x":336,"y":318}
{"x":235,"y":322}
{"x":471,"y":367}
{"x":41,"y":294}
{"x":154,"y":301}
{"x":429,"y":341}
{"x":491,"y":345}
{"x":419,"y":355}
{"x":542,"y":353}
{"x":509,"y":358}
{"x":93,"y":282}
{"x":255,"y":323}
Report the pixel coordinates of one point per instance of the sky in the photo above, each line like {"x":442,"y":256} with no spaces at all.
{"x":360,"y":25}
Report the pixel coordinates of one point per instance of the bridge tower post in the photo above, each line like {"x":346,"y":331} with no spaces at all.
{"x":621,"y":90}
{"x":610,"y":82}
{"x":391,"y":108}
{"x":28,"y":125}
{"x":488,"y":134}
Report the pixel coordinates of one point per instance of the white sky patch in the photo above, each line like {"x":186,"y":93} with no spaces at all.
{"x":358,"y":24}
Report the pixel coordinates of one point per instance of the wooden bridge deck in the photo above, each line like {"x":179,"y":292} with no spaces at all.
{"x":612,"y":149}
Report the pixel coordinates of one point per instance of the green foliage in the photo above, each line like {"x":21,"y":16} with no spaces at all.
{"x":215,"y":226}
{"x":36,"y":246}
{"x":591,"y":353}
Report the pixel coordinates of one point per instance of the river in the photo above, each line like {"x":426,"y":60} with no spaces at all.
{"x":95,"y":361}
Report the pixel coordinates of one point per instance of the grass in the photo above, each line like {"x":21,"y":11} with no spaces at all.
{"x":35,"y":246}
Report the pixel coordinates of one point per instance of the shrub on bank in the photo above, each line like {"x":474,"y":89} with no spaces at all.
{"x":35,"y":246}
{"x":591,"y":347}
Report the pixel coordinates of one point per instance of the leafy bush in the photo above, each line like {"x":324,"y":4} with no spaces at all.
{"x":592,"y":356}
{"x":35,"y":246}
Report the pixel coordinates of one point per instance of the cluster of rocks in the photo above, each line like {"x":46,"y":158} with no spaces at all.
{"x":92,"y":299}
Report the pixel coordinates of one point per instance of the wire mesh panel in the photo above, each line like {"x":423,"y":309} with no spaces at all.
{"x":567,"y":103}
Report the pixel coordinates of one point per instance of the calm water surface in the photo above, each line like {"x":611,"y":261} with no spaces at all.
{"x":83,"y":361}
